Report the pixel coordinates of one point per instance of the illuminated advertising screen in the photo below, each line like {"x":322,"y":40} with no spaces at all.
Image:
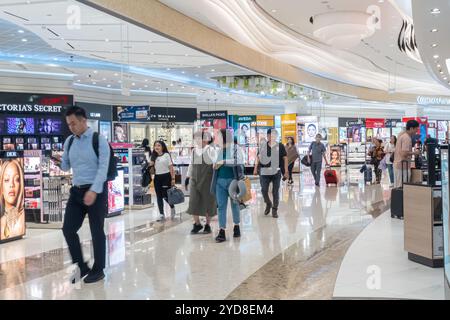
{"x":116,"y":194}
{"x":12,"y":192}
{"x":20,"y":125}
{"x":445,"y":211}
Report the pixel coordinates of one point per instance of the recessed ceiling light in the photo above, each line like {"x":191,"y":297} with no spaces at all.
{"x":95,"y":71}
{"x":441,"y":72}
{"x":168,"y":69}
{"x":22,"y":56}
{"x":20,"y":31}
{"x":109,"y":86}
{"x":106,"y":40}
{"x":435,"y":11}
{"x":133,"y":84}
{"x":434,"y":45}
{"x":445,"y":78}
{"x":438,"y":65}
{"x":24,"y":40}
{"x":434,"y":30}
{"x":171,"y":84}
{"x":183,"y":72}
{"x":146,"y":80}
{"x":78,"y":80}
{"x":116,"y":74}
{"x":436,"y":56}
{"x":213,"y":70}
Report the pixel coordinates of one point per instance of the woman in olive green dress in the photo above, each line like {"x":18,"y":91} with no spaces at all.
{"x":201,"y":202}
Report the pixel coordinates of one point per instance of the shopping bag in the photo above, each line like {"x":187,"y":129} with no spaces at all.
{"x":175,"y":196}
{"x":248,"y":194}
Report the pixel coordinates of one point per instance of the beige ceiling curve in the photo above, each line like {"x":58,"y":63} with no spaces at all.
{"x":247,"y":24}
{"x":166,"y":21}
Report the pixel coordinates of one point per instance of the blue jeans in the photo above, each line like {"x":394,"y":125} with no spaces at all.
{"x":390,"y":168}
{"x":222,"y":203}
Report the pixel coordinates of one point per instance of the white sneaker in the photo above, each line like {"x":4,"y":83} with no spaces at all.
{"x":161,"y":218}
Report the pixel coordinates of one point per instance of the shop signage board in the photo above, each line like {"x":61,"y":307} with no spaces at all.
{"x":264,"y":121}
{"x":244,"y":118}
{"x":132,"y":114}
{"x":392,"y":123}
{"x":375,"y":123}
{"x":350,"y":122}
{"x":186,"y":115}
{"x":28,"y":103}
{"x":288,"y":127}
{"x":206,"y":115}
{"x":97,"y":111}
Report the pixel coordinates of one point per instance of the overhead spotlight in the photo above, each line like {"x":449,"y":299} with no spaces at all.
{"x":24,"y":40}
{"x":436,"y":56}
{"x":434,"y":30}
{"x":434,"y":45}
{"x":435,"y":11}
{"x":20,"y":31}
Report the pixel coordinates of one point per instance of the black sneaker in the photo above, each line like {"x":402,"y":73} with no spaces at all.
{"x":94,"y":276}
{"x":236,"y":232}
{"x":207,"y":229}
{"x":84,"y":271}
{"x":196,"y":229}
{"x":268,"y":207}
{"x":275,"y":213}
{"x":221,"y":236}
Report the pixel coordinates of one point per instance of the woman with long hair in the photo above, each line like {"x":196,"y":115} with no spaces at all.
{"x":200,"y":173}
{"x":390,"y":150}
{"x":164,"y":176}
{"x":12,"y":221}
{"x":146,"y":146}
{"x":292,"y":155}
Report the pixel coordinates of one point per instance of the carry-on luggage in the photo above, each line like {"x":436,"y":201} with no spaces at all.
{"x":368,"y":175}
{"x":330,"y":176}
{"x":397,"y":197}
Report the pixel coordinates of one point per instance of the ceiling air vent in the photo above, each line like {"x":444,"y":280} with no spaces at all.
{"x":53,"y":32}
{"x":14,"y":15}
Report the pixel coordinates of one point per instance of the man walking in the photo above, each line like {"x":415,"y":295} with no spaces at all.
{"x":403,"y":152}
{"x":315,"y":153}
{"x":88,"y":194}
{"x":271,"y":158}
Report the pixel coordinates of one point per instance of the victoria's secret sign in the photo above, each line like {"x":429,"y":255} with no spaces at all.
{"x":33,"y":103}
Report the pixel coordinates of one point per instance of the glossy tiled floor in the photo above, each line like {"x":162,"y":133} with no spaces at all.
{"x":295,"y":257}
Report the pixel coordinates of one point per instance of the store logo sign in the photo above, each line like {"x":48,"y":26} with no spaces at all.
{"x":95,"y":115}
{"x":426,"y":101}
{"x":29,"y":108}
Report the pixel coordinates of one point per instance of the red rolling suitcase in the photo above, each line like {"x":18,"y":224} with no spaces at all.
{"x":330,"y":176}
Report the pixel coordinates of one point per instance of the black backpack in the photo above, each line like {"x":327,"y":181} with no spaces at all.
{"x":112,"y":167}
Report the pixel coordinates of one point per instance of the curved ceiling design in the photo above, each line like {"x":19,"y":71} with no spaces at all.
{"x":433,"y":25}
{"x":281,"y":29}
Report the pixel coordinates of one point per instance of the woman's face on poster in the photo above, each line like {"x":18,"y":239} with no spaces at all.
{"x":11,"y":185}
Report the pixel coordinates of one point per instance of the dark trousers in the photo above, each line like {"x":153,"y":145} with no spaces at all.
{"x":316,"y":169}
{"x":265,"y":182}
{"x":290,"y":169}
{"x":76,"y":211}
{"x":378,"y":171}
{"x":163,"y":182}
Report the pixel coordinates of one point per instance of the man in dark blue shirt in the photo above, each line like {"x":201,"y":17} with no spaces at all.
{"x":88,"y":195}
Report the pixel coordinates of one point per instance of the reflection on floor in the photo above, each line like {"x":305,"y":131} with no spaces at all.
{"x":294,"y":257}
{"x":379,"y":251}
